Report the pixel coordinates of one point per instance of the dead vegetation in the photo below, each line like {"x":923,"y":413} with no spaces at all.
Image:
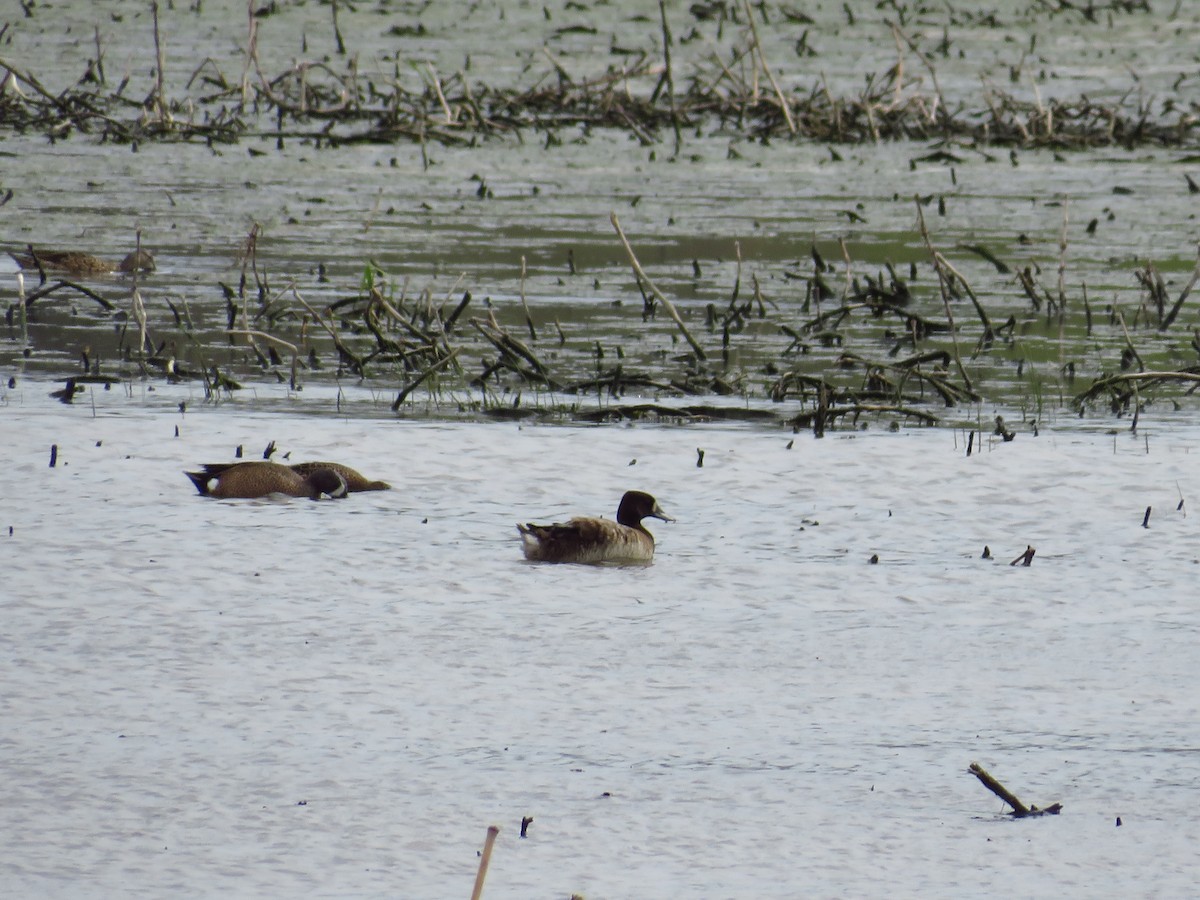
{"x":830,"y":347}
{"x":731,"y":67}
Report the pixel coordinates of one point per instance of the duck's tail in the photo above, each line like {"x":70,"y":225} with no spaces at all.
{"x":200,"y":480}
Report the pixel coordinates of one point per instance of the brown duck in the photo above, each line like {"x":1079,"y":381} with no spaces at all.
{"x":586,"y":539}
{"x":75,"y":263}
{"x":249,"y":480}
{"x":355,"y":481}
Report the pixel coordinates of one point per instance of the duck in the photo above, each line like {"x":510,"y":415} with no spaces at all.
{"x":75,"y":263}
{"x":253,"y":480}
{"x":587,"y":539}
{"x":355,"y":480}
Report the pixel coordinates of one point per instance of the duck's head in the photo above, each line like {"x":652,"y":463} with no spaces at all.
{"x":638,"y":505}
{"x":328,"y":482}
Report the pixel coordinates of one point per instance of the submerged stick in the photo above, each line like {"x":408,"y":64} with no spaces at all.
{"x":411,"y":386}
{"x":484,"y":859}
{"x":1187,"y":289}
{"x":1026,"y":558}
{"x":667,"y":304}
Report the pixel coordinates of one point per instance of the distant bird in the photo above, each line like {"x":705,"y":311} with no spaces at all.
{"x":75,"y":263}
{"x":355,"y":481}
{"x":249,"y":480}
{"x":585,"y":539}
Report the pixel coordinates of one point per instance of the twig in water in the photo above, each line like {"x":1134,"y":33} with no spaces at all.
{"x":411,"y":386}
{"x":160,"y":101}
{"x":525,"y":305}
{"x":668,"y":75}
{"x":667,"y":304}
{"x":337,"y":32}
{"x":1170,"y":317}
{"x":1019,"y":809}
{"x":762,"y":61}
{"x":1026,"y":558}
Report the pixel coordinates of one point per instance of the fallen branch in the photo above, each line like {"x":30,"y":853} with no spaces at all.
{"x":1019,"y":809}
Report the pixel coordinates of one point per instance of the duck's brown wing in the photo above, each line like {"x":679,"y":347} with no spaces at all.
{"x":249,"y":480}
{"x":585,"y":539}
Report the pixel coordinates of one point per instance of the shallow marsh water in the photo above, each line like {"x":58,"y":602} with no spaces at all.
{"x":260,"y":698}
{"x":418,"y":213}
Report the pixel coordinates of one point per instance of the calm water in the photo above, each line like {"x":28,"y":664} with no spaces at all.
{"x":266,"y":698}
{"x":261,"y":698}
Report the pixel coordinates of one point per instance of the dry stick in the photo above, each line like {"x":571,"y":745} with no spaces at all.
{"x":250,"y":255}
{"x":1026,"y":558}
{"x":337,"y":340}
{"x":667,"y":304}
{"x":563,"y":74}
{"x":998,"y":789}
{"x":1062,"y":268}
{"x":899,"y":76}
{"x":1019,"y":809}
{"x":437,"y":87}
{"x":251,"y":50}
{"x":846,"y":258}
{"x":412,"y":385}
{"x":666,"y":39}
{"x":1170,"y":317}
{"x":160,"y":102}
{"x":928,"y":65}
{"x":1129,"y":341}
{"x":250,"y":332}
{"x":337,"y":32}
{"x":410,"y":326}
{"x":510,"y":346}
{"x":737,"y":277}
{"x":484,"y":859}
{"x":938,"y":262}
{"x":139,"y":316}
{"x":99,"y":57}
{"x":524,"y":305}
{"x":762,"y":61}
{"x":24,"y":311}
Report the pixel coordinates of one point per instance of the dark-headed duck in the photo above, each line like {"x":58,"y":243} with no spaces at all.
{"x":585,"y":539}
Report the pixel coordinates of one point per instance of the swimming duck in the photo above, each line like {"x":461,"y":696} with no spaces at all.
{"x":75,"y":263}
{"x":250,"y":480}
{"x":355,"y":481}
{"x":585,"y":539}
